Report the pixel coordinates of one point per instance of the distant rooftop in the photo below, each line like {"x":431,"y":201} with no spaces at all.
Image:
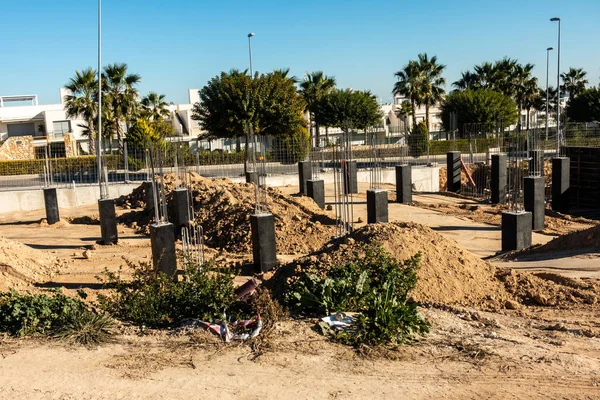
{"x":28,"y":97}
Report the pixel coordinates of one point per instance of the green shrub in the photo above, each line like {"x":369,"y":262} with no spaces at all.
{"x":60,"y":315}
{"x":418,"y":140}
{"x":59,"y":165}
{"x":376,"y":286}
{"x":153,"y":299}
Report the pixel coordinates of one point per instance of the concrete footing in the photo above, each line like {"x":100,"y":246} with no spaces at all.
{"x":534,"y":193}
{"x":51,"y":204}
{"x":516,"y":230}
{"x":252,"y":177}
{"x":315,"y":189}
{"x":498,"y":180}
{"x":377,"y":206}
{"x":148,"y":195}
{"x":108,"y":221}
{"x":560,"y":184}
{"x":453,"y":167}
{"x":162,"y":241}
{"x":182,"y":208}
{"x":350,"y":170}
{"x":304,"y":174}
{"x":536,"y":162}
{"x":263,"y":242}
{"x":403,"y":184}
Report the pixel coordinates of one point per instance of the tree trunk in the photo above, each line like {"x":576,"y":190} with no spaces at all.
{"x":238,"y":144}
{"x":427,"y":117}
{"x":327,"y":135}
{"x":414,"y":112}
{"x":317,"y":134}
{"x":246,"y":151}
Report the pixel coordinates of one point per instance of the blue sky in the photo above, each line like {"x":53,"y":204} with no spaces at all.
{"x":179,"y":45}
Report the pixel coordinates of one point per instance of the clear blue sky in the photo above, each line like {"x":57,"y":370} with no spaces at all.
{"x":179,"y":45}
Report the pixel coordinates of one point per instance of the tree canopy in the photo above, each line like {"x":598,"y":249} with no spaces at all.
{"x":482,"y":106}
{"x":232,"y":101}
{"x":586,"y":106}
{"x":313,"y":88}
{"x":350,"y":109}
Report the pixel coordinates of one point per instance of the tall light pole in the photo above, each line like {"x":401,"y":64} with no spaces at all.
{"x":250,"y":53}
{"x":558,"y":136}
{"x":547,"y":91}
{"x":100,"y":97}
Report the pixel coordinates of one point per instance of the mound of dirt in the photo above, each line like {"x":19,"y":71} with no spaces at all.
{"x":448,"y":274}
{"x":546,"y":289}
{"x":585,"y":239}
{"x":223,"y":208}
{"x":21,"y":265}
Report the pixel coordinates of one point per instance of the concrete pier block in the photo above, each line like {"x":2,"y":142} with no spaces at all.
{"x":148,"y":195}
{"x":304,"y":174}
{"x":534,"y":193}
{"x":377,"y":206}
{"x":453,"y":167}
{"x":108,"y":221}
{"x":315,"y":189}
{"x":182,"y":208}
{"x":516,"y":230}
{"x":51,"y":203}
{"x":263,"y":242}
{"x":349,"y":169}
{"x":499,"y":179}
{"x":560,"y":184}
{"x":162,"y":241}
{"x":252,"y":177}
{"x":403,"y":184}
{"x":536,"y":162}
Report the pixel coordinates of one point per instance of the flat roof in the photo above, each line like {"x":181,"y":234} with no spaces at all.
{"x":25,"y":97}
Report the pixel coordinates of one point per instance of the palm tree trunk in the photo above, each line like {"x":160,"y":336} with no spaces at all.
{"x":317,"y":134}
{"x":414,"y":112}
{"x":427,"y":116}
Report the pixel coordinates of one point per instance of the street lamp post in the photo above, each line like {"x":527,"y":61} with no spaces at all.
{"x":250,"y":53}
{"x":100,"y":98}
{"x":547,"y":91}
{"x":558,"y":135}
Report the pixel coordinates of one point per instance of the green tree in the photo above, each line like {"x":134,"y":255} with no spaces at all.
{"x":525,"y":88}
{"x":586,"y":106}
{"x":573,"y":82}
{"x":349,"y":109}
{"x":83,"y":102}
{"x":404,"y":111}
{"x":468,"y":80}
{"x":481,"y":106}
{"x":155,"y":106}
{"x":418,"y":140}
{"x":313,"y":88}
{"x":120,"y":95}
{"x":142,"y":133}
{"x":408,"y":85}
{"x":430,"y":83}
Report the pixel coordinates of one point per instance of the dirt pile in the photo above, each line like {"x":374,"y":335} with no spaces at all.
{"x":585,"y":239}
{"x":546,"y":289}
{"x":448,"y":274}
{"x":21,"y":265}
{"x":223,"y":208}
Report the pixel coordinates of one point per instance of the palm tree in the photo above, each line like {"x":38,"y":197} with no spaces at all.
{"x":524,"y":86}
{"x":430,"y":83}
{"x":484,"y":75}
{"x":468,"y":80}
{"x":313,"y":89}
{"x":404,"y":111}
{"x":120,"y":94}
{"x":573,"y":81}
{"x":155,"y":106}
{"x":83,"y":102}
{"x":408,"y":85}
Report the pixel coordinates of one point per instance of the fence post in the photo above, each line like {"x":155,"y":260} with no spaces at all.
{"x":126,"y":162}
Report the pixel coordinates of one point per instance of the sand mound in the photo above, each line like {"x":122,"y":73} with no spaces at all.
{"x":21,"y":265}
{"x":546,"y":289}
{"x":448,"y":274}
{"x":586,"y":239}
{"x":223,"y":208}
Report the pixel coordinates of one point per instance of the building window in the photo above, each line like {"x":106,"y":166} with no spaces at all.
{"x":61,"y":127}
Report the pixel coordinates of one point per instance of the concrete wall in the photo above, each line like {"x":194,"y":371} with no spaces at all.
{"x":424,"y":179}
{"x":27,"y":200}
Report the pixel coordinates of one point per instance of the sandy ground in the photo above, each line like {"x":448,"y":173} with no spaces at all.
{"x":529,"y":353}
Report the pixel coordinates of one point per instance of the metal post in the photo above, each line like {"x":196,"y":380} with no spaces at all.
{"x":558,"y":135}
{"x":250,"y":53}
{"x":547,"y":91}
{"x":100,"y":97}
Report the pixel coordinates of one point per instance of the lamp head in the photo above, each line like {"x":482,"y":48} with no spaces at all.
{"x":251,"y":34}
{"x":554,"y":19}
{"x":550,"y":48}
